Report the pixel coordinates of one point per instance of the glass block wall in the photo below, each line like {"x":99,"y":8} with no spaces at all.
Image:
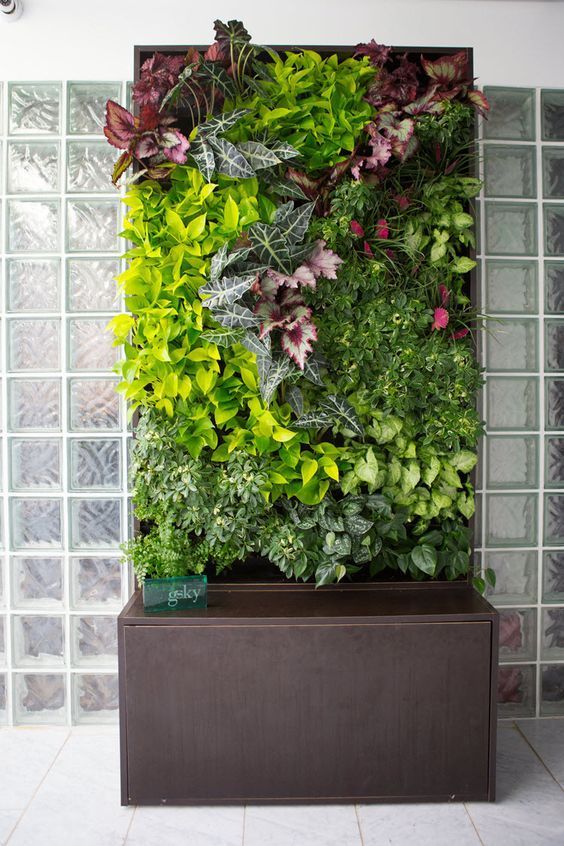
{"x":522,"y":469}
{"x":64,"y":436}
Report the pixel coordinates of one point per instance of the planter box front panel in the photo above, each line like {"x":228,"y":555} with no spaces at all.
{"x":306,"y":710}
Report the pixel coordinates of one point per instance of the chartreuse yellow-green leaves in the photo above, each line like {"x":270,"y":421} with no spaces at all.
{"x":298,"y":342}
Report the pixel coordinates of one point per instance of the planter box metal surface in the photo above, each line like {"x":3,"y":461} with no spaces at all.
{"x":280,"y":693}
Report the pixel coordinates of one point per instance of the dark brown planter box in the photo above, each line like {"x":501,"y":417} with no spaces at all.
{"x":280,"y":693}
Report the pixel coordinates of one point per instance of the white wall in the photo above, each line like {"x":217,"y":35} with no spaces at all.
{"x":516,"y":43}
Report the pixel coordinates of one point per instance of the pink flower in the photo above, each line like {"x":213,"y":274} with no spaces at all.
{"x":444,"y":294}
{"x":367,"y":249}
{"x":402,"y":201}
{"x":357,"y":229}
{"x":382,"y":230}
{"x":460,"y":333}
{"x":440,"y":318}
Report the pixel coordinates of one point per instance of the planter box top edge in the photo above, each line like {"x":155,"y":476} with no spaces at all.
{"x":273,"y":606}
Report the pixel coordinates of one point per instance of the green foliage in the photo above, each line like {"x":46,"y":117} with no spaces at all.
{"x":316,"y":105}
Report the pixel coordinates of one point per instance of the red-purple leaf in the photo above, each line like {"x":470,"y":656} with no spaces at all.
{"x":175,"y":145}
{"x":377,"y":53}
{"x":121,"y":166}
{"x":158,"y":75}
{"x":448,"y":69}
{"x":297,"y":341}
{"x":479,"y":101}
{"x":120,"y":127}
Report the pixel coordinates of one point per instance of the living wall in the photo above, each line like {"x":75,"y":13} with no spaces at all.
{"x":300,"y":347}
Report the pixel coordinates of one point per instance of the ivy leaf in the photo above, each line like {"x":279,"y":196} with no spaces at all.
{"x":226,"y":291}
{"x":293,"y":223}
{"x":342,"y":411}
{"x":236,"y":316}
{"x":221,"y":123}
{"x":258,"y":155}
{"x":357,"y":525}
{"x":271,"y":246}
{"x":229,"y":160}
{"x":329,"y":572}
{"x":425,"y":558}
{"x":313,"y":420}
{"x":295,"y":399}
{"x":204,"y":158}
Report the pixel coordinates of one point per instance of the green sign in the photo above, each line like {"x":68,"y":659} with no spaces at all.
{"x":179,"y":594}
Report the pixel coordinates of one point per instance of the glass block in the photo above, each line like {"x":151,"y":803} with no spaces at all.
{"x":511,"y":286}
{"x":33,"y":284}
{"x":91,"y":344}
{"x":2,"y":641}
{"x":33,"y":167}
{"x":95,"y":464}
{"x":517,"y":634}
{"x":509,"y":171}
{"x":554,"y":519}
{"x":95,"y":523}
{"x":33,"y":226}
{"x":34,"y":405}
{"x":37,"y":582}
{"x":552,"y":690}
{"x":39,"y":698}
{"x":87,"y":106}
{"x":34,"y":108}
{"x":511,"y":229}
{"x":516,"y":691}
{"x":38,"y":640}
{"x":94,"y":405}
{"x":96,"y":582}
{"x":92,"y":285}
{"x":553,"y":172}
{"x":95,"y":697}
{"x":554,"y":392}
{"x":93,"y":226}
{"x":552,"y":634}
{"x":3,"y":696}
{"x":553,"y":230}
{"x":35,"y":464}
{"x":93,"y":641}
{"x":36,"y":523}
{"x":2,"y":586}
{"x":552,"y":115}
{"x":512,"y":114}
{"x":34,"y":344}
{"x":512,"y":345}
{"x":511,"y":519}
{"x":553,"y":577}
{"x":554,"y":344}
{"x":554,"y":462}
{"x":512,"y":461}
{"x":89,"y":166}
{"x":516,"y":576}
{"x":512,"y":403}
{"x":554,"y":286}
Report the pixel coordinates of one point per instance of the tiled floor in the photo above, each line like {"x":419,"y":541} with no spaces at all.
{"x":61,"y":787}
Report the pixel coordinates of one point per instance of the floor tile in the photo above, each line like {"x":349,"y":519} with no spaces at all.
{"x":25,"y":755}
{"x":8,"y":819}
{"x":547,"y":739}
{"x":424,"y":825}
{"x":205,"y":826}
{"x":303,"y":825}
{"x":78,"y":801}
{"x":530,"y":805}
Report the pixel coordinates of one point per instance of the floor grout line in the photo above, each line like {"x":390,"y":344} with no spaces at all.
{"x":359,"y":825}
{"x":36,"y":791}
{"x":129,"y":826}
{"x":474,"y":826}
{"x":530,"y":745}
